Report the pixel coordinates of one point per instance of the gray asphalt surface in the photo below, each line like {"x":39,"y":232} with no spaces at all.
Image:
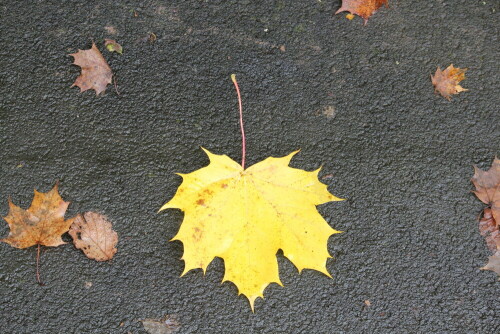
{"x":401,"y":155}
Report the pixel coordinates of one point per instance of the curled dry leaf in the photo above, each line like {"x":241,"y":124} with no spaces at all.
{"x":42,"y":224}
{"x":113,"y":46}
{"x":487,"y":185}
{"x":446,"y":82}
{"x":96,"y":73}
{"x":363,"y":8}
{"x":92,"y":233}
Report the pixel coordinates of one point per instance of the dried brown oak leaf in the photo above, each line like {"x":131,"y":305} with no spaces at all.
{"x":363,"y":8}
{"x":92,"y":233}
{"x":446,"y":82}
{"x":487,"y":185}
{"x":96,"y":73}
{"x":42,"y":224}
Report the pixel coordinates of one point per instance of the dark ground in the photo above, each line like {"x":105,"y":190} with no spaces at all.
{"x":401,"y":155}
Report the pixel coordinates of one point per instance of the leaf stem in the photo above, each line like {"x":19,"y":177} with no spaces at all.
{"x":38,"y":267}
{"x":243,"y":139}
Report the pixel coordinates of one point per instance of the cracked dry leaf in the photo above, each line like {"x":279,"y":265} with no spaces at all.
{"x":446,"y":82}
{"x":244,"y":216}
{"x":96,"y":73}
{"x":42,"y":224}
{"x":363,"y":8}
{"x":93,"y":234}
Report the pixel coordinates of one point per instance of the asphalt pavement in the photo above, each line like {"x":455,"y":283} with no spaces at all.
{"x":356,"y":99}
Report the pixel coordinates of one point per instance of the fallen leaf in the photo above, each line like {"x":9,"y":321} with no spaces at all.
{"x":244,"y":216}
{"x":493,"y":263}
{"x":166,"y":325}
{"x":113,"y":46}
{"x":446,"y":82}
{"x":489,"y":229}
{"x":363,"y":8}
{"x":96,"y":73}
{"x":92,"y":233}
{"x":42,"y":224}
{"x":487,"y":185}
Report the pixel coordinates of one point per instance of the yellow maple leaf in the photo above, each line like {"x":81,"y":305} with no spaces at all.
{"x":244,"y":216}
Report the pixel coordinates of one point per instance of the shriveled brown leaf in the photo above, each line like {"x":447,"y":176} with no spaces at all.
{"x":446,"y":82}
{"x":363,"y":8}
{"x":113,"y":46}
{"x":42,"y":224}
{"x":487,"y":185}
{"x":96,"y":73}
{"x":92,"y":233}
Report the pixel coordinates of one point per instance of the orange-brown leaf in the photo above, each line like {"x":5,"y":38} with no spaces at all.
{"x":363,"y":8}
{"x":92,"y":233}
{"x":96,"y":73}
{"x":487,"y":185}
{"x":446,"y":82}
{"x":42,"y":224}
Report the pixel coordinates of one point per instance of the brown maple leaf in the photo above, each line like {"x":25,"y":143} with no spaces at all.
{"x":92,"y":233}
{"x":446,"y":82}
{"x":96,"y":73}
{"x":42,"y":224}
{"x":363,"y":8}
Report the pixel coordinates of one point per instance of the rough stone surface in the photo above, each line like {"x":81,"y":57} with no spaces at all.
{"x":400,"y":154}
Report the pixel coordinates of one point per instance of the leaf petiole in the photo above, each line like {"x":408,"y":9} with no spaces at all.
{"x":243,"y":140}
